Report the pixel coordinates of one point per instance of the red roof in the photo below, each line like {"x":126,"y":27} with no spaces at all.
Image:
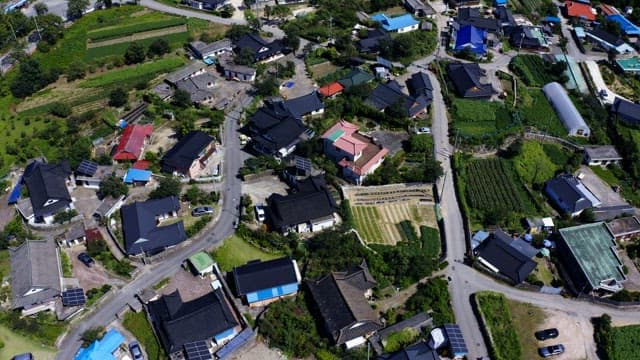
{"x":580,"y":10}
{"x":93,"y":234}
{"x":331,"y":89}
{"x":132,"y":141}
{"x":141,"y":164}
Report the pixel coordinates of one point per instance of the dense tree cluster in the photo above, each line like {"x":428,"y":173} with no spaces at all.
{"x":31,"y":78}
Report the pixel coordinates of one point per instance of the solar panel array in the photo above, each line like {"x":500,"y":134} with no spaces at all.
{"x":456,"y":341}
{"x":197,"y":350}
{"x":87,"y":167}
{"x":73,"y":297}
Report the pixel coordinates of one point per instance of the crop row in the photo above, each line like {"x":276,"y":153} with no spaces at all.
{"x":407,"y":231}
{"x":116,"y":32}
{"x":490,"y":186}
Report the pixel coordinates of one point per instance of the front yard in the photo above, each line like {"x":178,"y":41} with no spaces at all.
{"x":235,"y":252}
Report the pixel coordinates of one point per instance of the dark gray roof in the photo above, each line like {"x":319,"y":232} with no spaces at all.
{"x":185,"y":72}
{"x":471,"y":16}
{"x":141,"y":232}
{"x":372,"y":41}
{"x":419,"y":84}
{"x":626,"y":110}
{"x":283,"y":134}
{"x":419,"y":351}
{"x":260,"y":275}
{"x":312,"y":201}
{"x":261,"y":48}
{"x":466,"y":80}
{"x":506,"y":258}
{"x":341,"y":302}
{"x":563,"y":190}
{"x":202,"y":49}
{"x":188,"y":149}
{"x":385,"y":95}
{"x":34,"y":265}
{"x":416,"y":322}
{"x":304,"y":105}
{"x":605,"y":36}
{"x":504,"y":16}
{"x":602,"y":152}
{"x":523,"y":36}
{"x":177,"y":323}
{"x":47,"y":182}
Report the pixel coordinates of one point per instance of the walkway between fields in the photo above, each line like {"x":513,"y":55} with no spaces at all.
{"x":139,"y":36}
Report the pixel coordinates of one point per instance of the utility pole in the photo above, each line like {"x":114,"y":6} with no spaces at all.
{"x":37,"y":27}
{"x":12,"y":30}
{"x":330,"y":29}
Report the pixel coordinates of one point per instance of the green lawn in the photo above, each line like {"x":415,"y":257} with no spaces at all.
{"x":16,"y":344}
{"x":138,"y":325}
{"x":498,"y":321}
{"x":606,"y":175}
{"x":134,"y":74}
{"x":235,"y":252}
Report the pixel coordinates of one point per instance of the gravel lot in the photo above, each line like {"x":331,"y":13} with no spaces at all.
{"x":576,"y":335}
{"x":262,"y":188}
{"x":392,"y":140}
{"x":89,"y":277}
{"x":600,"y":189}
{"x":259,"y":350}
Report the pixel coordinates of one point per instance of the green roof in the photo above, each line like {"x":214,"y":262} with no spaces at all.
{"x":356,"y":77}
{"x":630,"y":64}
{"x":335,"y":135}
{"x":201,"y":261}
{"x":594,"y":248}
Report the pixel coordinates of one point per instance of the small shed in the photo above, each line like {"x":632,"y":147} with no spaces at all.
{"x":201,"y":263}
{"x":137,"y":176}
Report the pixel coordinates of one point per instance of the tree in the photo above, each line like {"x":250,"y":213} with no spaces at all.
{"x":158,"y":47}
{"x":587,"y":216}
{"x":292,"y":41}
{"x":397,"y":111}
{"x":51,"y":28}
{"x":267,"y":87}
{"x":76,"y":8}
{"x":420,"y":143}
{"x":168,"y":186}
{"x":78,"y":151}
{"x":64,"y":216}
{"x":97,"y":247}
{"x":91,"y":335}
{"x":113,"y":186}
{"x":181,"y":98}
{"x":118,"y":97}
{"x":134,"y":54}
{"x":237,"y":31}
{"x":245,"y":57}
{"x":60,"y":109}
{"x":31,"y":78}
{"x":41,"y":8}
{"x":76,"y":70}
{"x":227,"y":11}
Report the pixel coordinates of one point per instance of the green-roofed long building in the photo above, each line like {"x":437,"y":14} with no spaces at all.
{"x":590,"y":256}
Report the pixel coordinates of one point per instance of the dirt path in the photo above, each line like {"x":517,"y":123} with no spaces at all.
{"x":139,"y":36}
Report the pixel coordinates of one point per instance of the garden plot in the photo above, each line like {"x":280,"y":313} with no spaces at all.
{"x":379,"y":210}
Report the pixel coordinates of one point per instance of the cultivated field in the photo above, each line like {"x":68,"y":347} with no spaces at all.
{"x":379,"y":211}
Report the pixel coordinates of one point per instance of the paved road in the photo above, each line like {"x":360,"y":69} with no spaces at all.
{"x":151,"y":4}
{"x":152,"y":274}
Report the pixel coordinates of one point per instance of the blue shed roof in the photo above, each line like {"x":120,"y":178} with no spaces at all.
{"x":15,"y":193}
{"x":552,"y":19}
{"x":134,"y":175}
{"x":473,"y":38}
{"x":501,"y":2}
{"x":627,"y":26}
{"x":102,"y":349}
{"x":395,"y":23}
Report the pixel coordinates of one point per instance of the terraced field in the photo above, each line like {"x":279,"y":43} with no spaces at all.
{"x":379,"y":223}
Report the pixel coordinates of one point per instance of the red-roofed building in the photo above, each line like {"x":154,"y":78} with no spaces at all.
{"x":331,"y":90}
{"x":579,"y":10}
{"x":141,"y":164}
{"x":132,"y":142}
{"x":357,"y":154}
{"x":93,"y":235}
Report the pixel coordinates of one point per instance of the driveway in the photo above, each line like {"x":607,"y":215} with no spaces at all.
{"x":600,"y":189}
{"x":85,"y":201}
{"x":598,"y":81}
{"x":262,"y":188}
{"x":302,"y":83}
{"x":89,"y":277}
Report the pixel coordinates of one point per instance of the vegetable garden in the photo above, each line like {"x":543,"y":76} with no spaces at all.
{"x":122,"y":31}
{"x":490,"y":186}
{"x":389,"y":223}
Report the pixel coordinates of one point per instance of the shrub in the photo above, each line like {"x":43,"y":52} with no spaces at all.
{"x":60,"y":109}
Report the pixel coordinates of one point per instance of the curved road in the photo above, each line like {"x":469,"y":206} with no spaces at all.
{"x":154,"y":273}
{"x":154,"y":5}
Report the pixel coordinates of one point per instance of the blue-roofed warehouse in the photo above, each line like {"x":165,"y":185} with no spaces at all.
{"x":261,"y":283}
{"x":399,"y":24}
{"x":137,"y":176}
{"x":472,"y":38}
{"x":102,"y":349}
{"x":627,"y":26}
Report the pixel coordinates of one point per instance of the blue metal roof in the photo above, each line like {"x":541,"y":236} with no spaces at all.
{"x":15,"y":193}
{"x":102,"y":349}
{"x":552,"y":19}
{"x":473,"y":38}
{"x":627,"y":26}
{"x":501,"y":2}
{"x":134,"y":175}
{"x":395,"y":23}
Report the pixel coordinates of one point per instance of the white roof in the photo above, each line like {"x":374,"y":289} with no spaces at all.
{"x":547,"y":222}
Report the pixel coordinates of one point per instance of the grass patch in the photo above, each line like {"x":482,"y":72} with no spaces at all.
{"x":625,"y":342}
{"x":5,"y":263}
{"x":542,"y":271}
{"x":505,"y":340}
{"x":122,"y":268}
{"x":175,"y":40}
{"x":480,"y":118}
{"x":430,"y":239}
{"x":93,"y":295}
{"x":66,"y":264}
{"x":162,"y":283}
{"x":16,"y":344}
{"x":527,"y":319}
{"x":606,"y":175}
{"x":235,"y":252}
{"x":140,"y":327}
{"x":42,"y":328}
{"x":134,"y":74}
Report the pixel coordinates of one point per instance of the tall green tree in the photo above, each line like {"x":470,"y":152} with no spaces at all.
{"x":41,"y":8}
{"x":113,"y":186}
{"x":31,"y":78}
{"x":51,"y":28}
{"x":168,"y":186}
{"x":158,"y":47}
{"x":76,"y":8}
{"x":135,"y":53}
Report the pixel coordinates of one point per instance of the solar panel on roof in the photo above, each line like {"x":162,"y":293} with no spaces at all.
{"x":456,"y":341}
{"x":73,"y":297}
{"x":197,"y":350}
{"x":87,"y":167}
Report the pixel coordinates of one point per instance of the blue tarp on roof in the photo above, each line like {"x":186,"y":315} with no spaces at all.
{"x":552,"y":19}
{"x":472,"y":38}
{"x":122,"y":124}
{"x":137,"y":175}
{"x":627,"y":26}
{"x":395,"y":23}
{"x":501,"y":2}
{"x":15,"y":193}
{"x":102,"y":349}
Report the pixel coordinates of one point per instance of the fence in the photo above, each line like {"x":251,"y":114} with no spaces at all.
{"x":557,"y":140}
